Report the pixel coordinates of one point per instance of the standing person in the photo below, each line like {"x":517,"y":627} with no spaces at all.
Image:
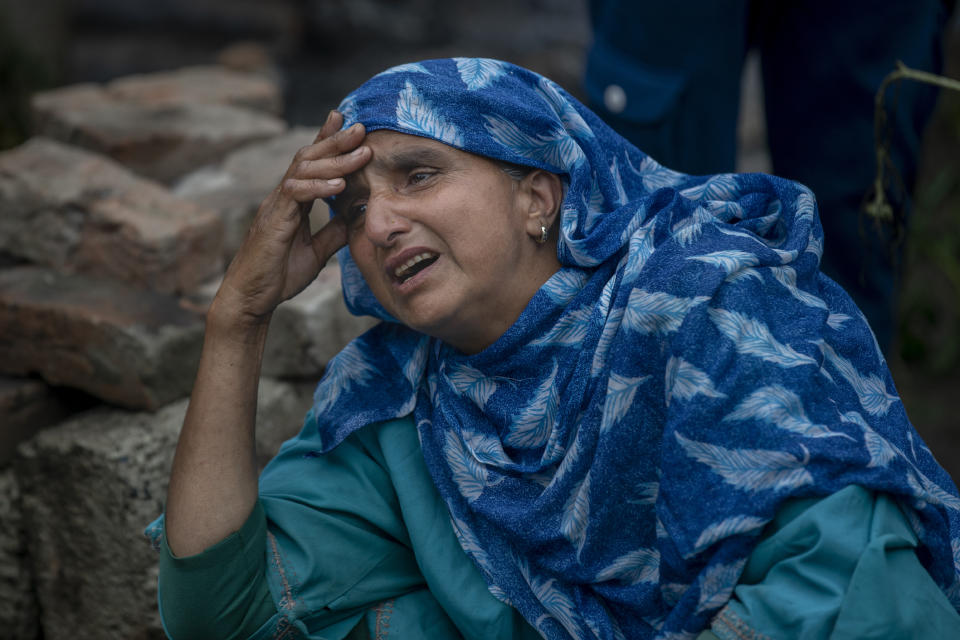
{"x":667,"y":77}
{"x":607,"y":400}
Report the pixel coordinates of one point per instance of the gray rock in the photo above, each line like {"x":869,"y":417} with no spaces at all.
{"x":89,"y":487}
{"x":19,"y":614}
{"x":131,"y":347}
{"x":237,"y":186}
{"x":159,"y":135}
{"x":26,"y":406}
{"x":80,"y":212}
{"x":307,"y":330}
{"x":207,"y":84}
{"x":281,"y":408}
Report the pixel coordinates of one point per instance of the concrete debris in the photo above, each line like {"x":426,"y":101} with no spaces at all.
{"x":77,"y":211}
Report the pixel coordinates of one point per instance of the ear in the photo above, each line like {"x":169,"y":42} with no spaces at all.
{"x":544,"y":191}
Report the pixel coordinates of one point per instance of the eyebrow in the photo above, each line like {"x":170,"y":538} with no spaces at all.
{"x":403,"y":159}
{"x":409,"y":157}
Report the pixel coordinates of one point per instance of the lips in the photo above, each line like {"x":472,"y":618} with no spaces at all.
{"x":410,"y":263}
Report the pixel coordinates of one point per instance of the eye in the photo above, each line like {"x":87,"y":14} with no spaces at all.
{"x":354,"y":213}
{"x":420,"y":176}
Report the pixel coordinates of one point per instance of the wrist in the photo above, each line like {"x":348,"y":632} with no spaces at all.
{"x":227,"y":321}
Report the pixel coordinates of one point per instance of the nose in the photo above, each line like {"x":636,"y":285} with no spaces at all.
{"x":384,"y":222}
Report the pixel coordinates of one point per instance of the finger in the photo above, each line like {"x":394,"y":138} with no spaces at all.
{"x":337,"y":143}
{"x":298,"y":190}
{"x":324,"y":131}
{"x":303,"y":191}
{"x":294,"y":198}
{"x":334,"y":167}
{"x":330,"y":126}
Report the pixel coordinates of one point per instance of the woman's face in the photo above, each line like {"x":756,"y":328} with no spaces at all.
{"x":444,"y":239}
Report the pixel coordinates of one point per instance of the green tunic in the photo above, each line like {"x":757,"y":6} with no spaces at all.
{"x":357,"y":543}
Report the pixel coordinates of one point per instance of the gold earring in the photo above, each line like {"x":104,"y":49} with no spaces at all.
{"x":543,"y":235}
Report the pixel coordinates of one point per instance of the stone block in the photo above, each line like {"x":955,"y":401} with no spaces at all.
{"x":281,"y":407}
{"x":89,"y":487}
{"x":305,"y":331}
{"x":28,"y":405}
{"x":308,"y":330}
{"x":162,"y":128}
{"x":209,"y":84}
{"x":19,"y":613}
{"x":78,"y":211}
{"x":250,"y":56}
{"x":128,"y":346}
{"x":238,"y":185}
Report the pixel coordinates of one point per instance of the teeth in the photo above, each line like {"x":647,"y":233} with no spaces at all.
{"x":406,"y":266}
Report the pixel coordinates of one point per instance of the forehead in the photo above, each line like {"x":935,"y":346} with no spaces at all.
{"x":388,"y":139}
{"x":394,"y":150}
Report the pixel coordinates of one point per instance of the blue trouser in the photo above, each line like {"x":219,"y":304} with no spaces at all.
{"x":677,"y":67}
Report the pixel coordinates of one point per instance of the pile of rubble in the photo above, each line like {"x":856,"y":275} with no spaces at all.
{"x":116,"y":221}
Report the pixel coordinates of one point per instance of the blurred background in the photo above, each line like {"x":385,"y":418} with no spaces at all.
{"x":306,"y":55}
{"x":318,"y":50}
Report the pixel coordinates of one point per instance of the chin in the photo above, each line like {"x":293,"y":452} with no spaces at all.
{"x":440,"y":324}
{"x":429,"y":324}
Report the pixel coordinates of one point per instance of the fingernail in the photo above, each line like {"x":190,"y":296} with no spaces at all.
{"x":335,"y":182}
{"x":329,"y":115}
{"x":359,"y":151}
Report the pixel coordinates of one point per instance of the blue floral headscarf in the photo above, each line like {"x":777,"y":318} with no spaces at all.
{"x":610,"y":461}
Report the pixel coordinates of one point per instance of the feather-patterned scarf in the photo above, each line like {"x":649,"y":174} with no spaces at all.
{"x":610,"y":461}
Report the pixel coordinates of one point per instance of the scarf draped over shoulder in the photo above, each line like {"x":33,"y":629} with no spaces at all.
{"x":610,"y":461}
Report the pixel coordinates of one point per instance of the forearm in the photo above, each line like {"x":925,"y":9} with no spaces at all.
{"x":213,"y":482}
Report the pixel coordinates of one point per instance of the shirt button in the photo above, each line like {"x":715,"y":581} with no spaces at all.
{"x":614,"y":98}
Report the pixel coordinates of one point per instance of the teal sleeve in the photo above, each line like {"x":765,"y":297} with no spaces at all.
{"x":841,"y":567}
{"x":222,"y":591}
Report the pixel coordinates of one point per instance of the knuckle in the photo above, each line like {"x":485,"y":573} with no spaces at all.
{"x":302,"y":154}
{"x":343,"y":135}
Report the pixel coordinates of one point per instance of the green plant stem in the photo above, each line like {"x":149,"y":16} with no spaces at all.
{"x":878,"y":207}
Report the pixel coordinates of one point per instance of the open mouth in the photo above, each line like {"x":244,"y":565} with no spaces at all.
{"x":414,"y":265}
